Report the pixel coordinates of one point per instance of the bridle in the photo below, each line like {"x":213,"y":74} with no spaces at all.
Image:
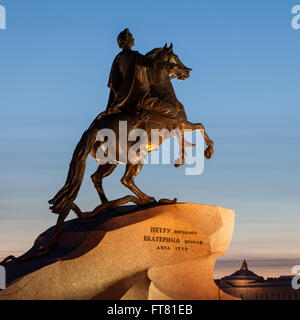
{"x":164,"y":80}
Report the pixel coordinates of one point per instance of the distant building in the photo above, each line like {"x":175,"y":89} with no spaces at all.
{"x":247,"y":285}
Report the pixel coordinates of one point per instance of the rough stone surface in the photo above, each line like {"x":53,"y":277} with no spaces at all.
{"x":130,"y":253}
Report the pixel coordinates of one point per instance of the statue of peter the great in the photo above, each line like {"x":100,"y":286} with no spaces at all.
{"x":129,"y":84}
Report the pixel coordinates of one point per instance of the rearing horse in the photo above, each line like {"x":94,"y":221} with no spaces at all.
{"x":161,"y":87}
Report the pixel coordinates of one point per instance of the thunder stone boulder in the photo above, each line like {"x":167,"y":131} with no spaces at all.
{"x":159,"y":252}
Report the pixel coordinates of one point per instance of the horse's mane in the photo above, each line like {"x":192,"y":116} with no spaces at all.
{"x":153,"y":52}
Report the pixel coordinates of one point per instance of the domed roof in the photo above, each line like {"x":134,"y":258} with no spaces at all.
{"x":243,"y":274}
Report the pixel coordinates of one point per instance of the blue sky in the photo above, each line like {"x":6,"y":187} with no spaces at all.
{"x":55,"y":58}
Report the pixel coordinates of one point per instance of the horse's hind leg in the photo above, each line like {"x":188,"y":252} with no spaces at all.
{"x":128,"y":181}
{"x":102,"y":172}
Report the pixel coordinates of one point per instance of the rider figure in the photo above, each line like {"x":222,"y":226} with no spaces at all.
{"x":128,"y":80}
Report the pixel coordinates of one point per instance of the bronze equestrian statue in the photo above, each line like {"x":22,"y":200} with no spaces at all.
{"x":142,"y":94}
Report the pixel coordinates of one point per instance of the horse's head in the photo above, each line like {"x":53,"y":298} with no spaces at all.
{"x":180,"y":71}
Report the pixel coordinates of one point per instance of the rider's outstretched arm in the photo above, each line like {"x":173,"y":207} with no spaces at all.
{"x":153,"y":63}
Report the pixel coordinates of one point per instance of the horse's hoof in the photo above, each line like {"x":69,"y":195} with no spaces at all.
{"x":148,"y":201}
{"x":151,"y":200}
{"x":178,"y":163}
{"x":175,"y":200}
{"x":208,"y":153}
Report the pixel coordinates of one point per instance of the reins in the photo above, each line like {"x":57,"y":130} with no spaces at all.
{"x":161,"y":81}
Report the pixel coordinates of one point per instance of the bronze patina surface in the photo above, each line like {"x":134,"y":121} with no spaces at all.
{"x":142,"y":94}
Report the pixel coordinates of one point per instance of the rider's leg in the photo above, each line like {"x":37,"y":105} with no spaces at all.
{"x":128,"y":181}
{"x":164,"y":108}
{"x":102,"y":172}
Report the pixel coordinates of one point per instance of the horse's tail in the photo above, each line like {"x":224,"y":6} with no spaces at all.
{"x":64,"y":198}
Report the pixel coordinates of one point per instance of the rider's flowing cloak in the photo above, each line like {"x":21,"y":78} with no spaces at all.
{"x":121,"y":89}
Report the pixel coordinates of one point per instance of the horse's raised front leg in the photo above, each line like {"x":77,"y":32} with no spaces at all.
{"x":182,"y":144}
{"x":200,"y":127}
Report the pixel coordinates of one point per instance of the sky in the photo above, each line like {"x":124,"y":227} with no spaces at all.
{"x":55,"y":58}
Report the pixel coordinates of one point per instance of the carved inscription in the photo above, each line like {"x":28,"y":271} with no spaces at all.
{"x":166,"y":238}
